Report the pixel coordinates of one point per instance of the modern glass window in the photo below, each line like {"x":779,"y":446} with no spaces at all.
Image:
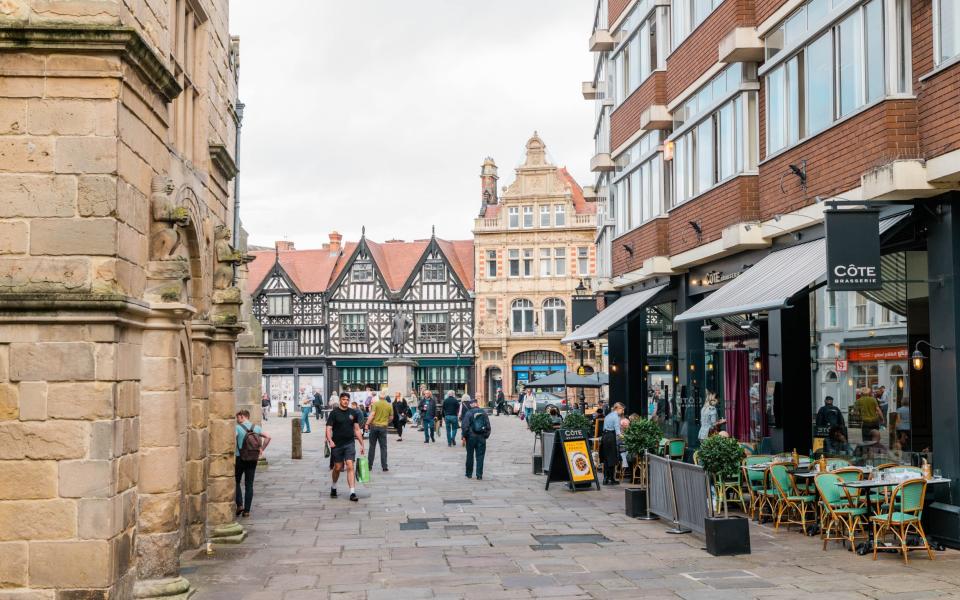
{"x":513,"y":259}
{"x":278,"y":305}
{"x":544,"y":215}
{"x":521,"y":316}
{"x":559,"y":215}
{"x":554,"y":316}
{"x":546,"y":262}
{"x":560,"y":261}
{"x":434,"y":271}
{"x":528,"y":216}
{"x":528,"y":262}
{"x":431,"y":327}
{"x":831,"y":76}
{"x":583,"y":260}
{"x":946,"y":20}
{"x":353,"y":327}
{"x":718,"y":147}
{"x":637,"y":195}
{"x":513,"y":213}
{"x":641,"y":50}
{"x":362,"y":272}
{"x":687,"y":16}
{"x":492,"y":308}
{"x":491,"y":263}
{"x":860,"y":311}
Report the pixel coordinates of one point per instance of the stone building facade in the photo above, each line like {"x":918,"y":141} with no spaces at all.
{"x":118,"y":313}
{"x":533,"y":247}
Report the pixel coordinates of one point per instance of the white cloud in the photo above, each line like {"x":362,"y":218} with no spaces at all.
{"x":380,"y":112}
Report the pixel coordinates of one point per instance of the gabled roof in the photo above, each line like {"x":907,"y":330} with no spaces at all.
{"x":310,"y":270}
{"x":318,"y":270}
{"x":580,"y":204}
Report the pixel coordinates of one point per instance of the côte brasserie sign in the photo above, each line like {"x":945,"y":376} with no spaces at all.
{"x":853,"y":250}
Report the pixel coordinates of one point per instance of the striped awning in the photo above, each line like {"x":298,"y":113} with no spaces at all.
{"x":611,"y":315}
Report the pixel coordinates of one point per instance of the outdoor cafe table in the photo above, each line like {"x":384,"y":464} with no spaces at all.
{"x":868,"y":484}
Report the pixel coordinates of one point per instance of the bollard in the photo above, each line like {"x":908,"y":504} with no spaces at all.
{"x":296,"y":450}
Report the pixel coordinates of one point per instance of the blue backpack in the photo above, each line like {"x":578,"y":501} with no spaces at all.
{"x":480,"y":424}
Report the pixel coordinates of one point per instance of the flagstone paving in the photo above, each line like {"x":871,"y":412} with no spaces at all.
{"x":425,"y":531}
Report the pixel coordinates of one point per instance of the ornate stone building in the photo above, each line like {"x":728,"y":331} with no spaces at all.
{"x":533,"y":246}
{"x":118,"y":313}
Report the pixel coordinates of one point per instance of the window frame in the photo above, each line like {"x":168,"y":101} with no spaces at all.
{"x":554,"y":315}
{"x":286,"y":301}
{"x":434,"y":271}
{"x":359,"y":267}
{"x":546,"y":211}
{"x":545,"y":260}
{"x":491,"y":264}
{"x":360,"y":331}
{"x":435,"y":332}
{"x":560,"y":262}
{"x":513,"y":217}
{"x":583,"y":261}
{"x":559,"y":215}
{"x":527,"y":316}
{"x":526,"y":262}
{"x":513,"y":260}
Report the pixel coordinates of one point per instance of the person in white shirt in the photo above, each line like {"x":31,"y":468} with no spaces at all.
{"x":529,"y":405}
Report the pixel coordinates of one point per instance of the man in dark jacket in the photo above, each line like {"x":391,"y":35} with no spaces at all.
{"x":451,"y":408}
{"x":501,"y":402}
{"x":829,"y":416}
{"x":428,"y":409}
{"x":476,"y":430}
{"x":317,"y":403}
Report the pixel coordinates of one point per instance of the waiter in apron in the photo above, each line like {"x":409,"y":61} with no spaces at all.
{"x":609,"y":454}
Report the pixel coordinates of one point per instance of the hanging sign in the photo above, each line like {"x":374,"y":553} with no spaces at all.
{"x":571,"y":461}
{"x":841,"y":366}
{"x":853,"y":250}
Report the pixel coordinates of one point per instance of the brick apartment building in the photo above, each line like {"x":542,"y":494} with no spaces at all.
{"x":723,"y":129}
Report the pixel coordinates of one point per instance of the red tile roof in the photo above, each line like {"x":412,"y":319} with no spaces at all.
{"x":316,"y":270}
{"x":310,"y":270}
{"x":580,"y":204}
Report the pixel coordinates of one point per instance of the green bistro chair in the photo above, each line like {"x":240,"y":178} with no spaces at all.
{"x":838,"y":515}
{"x":790,"y":502}
{"x":753,"y":482}
{"x":902,"y":518}
{"x":676,"y":448}
{"x":837,"y":463}
{"x":881,"y":498}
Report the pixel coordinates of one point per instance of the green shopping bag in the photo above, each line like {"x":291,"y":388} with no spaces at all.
{"x":363,"y":470}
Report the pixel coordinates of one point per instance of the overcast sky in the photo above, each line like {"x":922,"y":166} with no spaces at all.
{"x":380,"y":112}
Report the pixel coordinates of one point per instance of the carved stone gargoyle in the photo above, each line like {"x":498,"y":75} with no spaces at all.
{"x":226,"y":297}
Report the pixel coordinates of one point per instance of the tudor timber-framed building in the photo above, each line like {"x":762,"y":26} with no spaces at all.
{"x":723,"y":128}
{"x":326,"y":314}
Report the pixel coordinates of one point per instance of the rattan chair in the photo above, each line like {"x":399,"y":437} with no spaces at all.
{"x":903,"y":518}
{"x":790,"y":503}
{"x":837,"y":513}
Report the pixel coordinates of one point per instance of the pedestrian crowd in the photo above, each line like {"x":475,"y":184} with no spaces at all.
{"x":348,"y":421}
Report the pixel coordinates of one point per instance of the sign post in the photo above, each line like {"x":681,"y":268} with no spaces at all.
{"x":571,"y":461}
{"x":853,"y":249}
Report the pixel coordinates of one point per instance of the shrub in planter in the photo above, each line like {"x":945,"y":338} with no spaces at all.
{"x":539,"y":423}
{"x":721,"y":456}
{"x":642,"y":436}
{"x":577,"y":422}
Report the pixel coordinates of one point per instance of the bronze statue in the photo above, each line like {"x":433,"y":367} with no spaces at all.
{"x":398,"y":334}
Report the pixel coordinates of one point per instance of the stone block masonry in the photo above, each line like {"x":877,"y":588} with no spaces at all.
{"x":112,"y":459}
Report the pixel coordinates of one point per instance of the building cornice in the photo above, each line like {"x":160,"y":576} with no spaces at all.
{"x":125,"y":41}
{"x":221,"y":159}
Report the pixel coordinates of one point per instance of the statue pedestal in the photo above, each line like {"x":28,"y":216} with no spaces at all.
{"x":399,"y":375}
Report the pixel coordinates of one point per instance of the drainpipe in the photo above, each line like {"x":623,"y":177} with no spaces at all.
{"x":236,"y":185}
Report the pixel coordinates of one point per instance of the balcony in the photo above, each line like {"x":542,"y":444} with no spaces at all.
{"x":740,"y":45}
{"x":602,"y":163}
{"x":589,"y":90}
{"x":487,"y":224}
{"x":655,"y":116}
{"x":602,"y":41}
{"x":586,"y":220}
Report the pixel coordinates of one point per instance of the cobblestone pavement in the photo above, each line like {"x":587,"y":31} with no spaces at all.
{"x":424,"y":531}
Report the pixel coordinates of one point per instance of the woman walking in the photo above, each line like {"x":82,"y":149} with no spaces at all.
{"x":306,"y":407}
{"x":401,"y":412}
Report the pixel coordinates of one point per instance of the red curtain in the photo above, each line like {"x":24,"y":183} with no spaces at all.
{"x":736,"y":393}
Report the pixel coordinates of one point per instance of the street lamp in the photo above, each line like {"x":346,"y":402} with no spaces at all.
{"x":581,"y":290}
{"x":917,"y":356}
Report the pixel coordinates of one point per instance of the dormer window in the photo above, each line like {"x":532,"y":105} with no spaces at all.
{"x":362,"y":272}
{"x":278,"y":305}
{"x":434,"y":271}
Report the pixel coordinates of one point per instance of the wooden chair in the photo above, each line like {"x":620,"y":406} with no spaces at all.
{"x":790,"y":503}
{"x":753,"y":481}
{"x":903,"y":518}
{"x":837,"y":512}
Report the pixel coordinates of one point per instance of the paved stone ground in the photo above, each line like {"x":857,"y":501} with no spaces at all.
{"x":412,"y":536}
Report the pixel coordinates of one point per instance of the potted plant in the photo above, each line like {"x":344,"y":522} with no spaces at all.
{"x":575,"y":421}
{"x":721,"y":457}
{"x":641,"y":437}
{"x":538,"y":424}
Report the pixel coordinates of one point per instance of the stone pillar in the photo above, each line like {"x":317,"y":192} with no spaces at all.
{"x":69,"y":402}
{"x":250,"y":370}
{"x":221,"y":521}
{"x":400,"y":375}
{"x":164,"y":407}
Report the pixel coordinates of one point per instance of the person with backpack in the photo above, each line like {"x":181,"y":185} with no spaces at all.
{"x":476,"y":430}
{"x":251,"y":442}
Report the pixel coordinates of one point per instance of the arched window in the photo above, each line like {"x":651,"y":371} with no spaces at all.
{"x":521,"y":316}
{"x":830,"y":377}
{"x":554,"y":316}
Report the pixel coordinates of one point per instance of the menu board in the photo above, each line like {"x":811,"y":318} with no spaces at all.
{"x":571,"y":461}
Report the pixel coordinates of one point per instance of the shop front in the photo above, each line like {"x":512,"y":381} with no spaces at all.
{"x":288,"y":383}
{"x":358,"y":375}
{"x":531,"y":365}
{"x":440,"y":375}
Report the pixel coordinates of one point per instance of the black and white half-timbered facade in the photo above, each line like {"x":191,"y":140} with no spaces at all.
{"x":328,"y":314}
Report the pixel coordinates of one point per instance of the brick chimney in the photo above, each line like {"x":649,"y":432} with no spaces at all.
{"x":284,"y":246}
{"x":488,"y":183}
{"x":335,"y":240}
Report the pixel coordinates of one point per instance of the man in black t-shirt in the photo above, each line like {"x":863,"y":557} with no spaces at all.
{"x":343,"y":427}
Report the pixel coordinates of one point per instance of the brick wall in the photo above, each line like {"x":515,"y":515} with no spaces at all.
{"x":698,"y":52}
{"x":648,"y":240}
{"x":765,"y":8}
{"x":615,"y":8}
{"x":874,"y":137}
{"x":938,"y":97}
{"x":735,"y":201}
{"x":625,"y":121}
